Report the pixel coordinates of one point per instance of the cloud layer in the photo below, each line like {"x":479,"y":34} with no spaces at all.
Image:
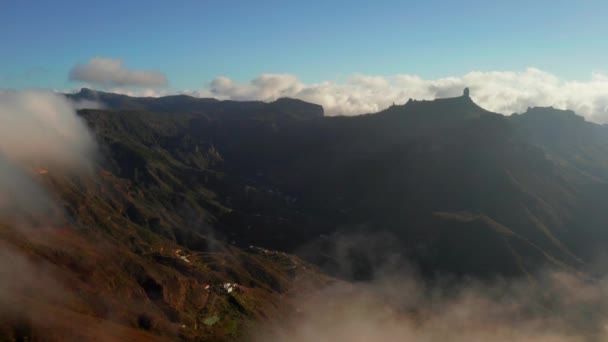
{"x":112,"y":72}
{"x":399,"y":304}
{"x":42,"y":128}
{"x":557,"y":307}
{"x":500,"y":91}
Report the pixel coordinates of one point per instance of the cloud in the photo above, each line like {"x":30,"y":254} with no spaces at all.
{"x":112,"y":72}
{"x":557,"y":307}
{"x":22,"y":198}
{"x":264,"y":87}
{"x":560,"y":309}
{"x":398,"y":304}
{"x":505,"y":92}
{"x":39,"y":132}
{"x":40,"y":128}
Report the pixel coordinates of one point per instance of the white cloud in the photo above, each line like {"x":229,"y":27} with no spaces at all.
{"x":38,"y":131}
{"x":504,"y":92}
{"x":40,"y":127}
{"x":264,"y":87}
{"x":112,"y":72}
{"x":556,"y":307}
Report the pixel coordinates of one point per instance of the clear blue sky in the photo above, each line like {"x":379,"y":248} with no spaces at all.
{"x":193,"y":41}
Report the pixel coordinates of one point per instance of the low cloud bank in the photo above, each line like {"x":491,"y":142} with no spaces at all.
{"x":500,"y":91}
{"x":556,"y":307}
{"x":397,"y":304}
{"x":504,"y":92}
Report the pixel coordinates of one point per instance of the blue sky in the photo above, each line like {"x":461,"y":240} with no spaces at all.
{"x":193,"y":42}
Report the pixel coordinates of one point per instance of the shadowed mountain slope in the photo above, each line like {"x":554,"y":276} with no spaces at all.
{"x":191,"y":196}
{"x":407,"y":171}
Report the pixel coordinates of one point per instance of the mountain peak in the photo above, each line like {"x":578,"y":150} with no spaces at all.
{"x":463,"y":104}
{"x":89,"y":94}
{"x":86,"y":91}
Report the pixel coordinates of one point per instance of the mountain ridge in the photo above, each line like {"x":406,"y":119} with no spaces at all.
{"x":181,"y":102}
{"x":444,"y":121}
{"x":274,"y":197}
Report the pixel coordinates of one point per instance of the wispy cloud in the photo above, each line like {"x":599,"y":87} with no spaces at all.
{"x":560,"y":308}
{"x":112,"y":72}
{"x":398,"y":304}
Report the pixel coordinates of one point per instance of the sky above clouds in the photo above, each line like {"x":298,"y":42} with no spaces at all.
{"x":351,"y":57}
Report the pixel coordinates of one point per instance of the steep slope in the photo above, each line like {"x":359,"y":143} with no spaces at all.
{"x":395,"y":170}
{"x":411,"y":171}
{"x":102,"y":271}
{"x":185,"y":189}
{"x":131,"y":253}
{"x":578,"y":149}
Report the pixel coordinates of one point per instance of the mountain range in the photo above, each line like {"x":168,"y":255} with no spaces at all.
{"x":204,"y":215}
